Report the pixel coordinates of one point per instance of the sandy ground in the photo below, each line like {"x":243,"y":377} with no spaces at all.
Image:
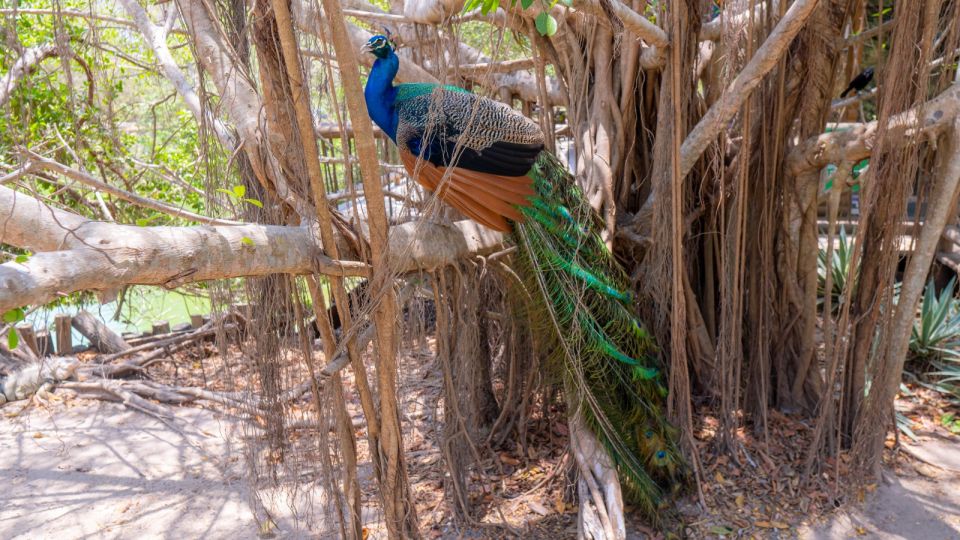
{"x":91,"y":469}
{"x":99,"y":470}
{"x":922,"y":502}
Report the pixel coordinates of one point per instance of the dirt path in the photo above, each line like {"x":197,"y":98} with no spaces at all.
{"x":921,"y":502}
{"x":90,"y":469}
{"x":98,"y":470}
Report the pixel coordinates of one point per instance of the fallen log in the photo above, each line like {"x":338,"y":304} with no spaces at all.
{"x":102,"y":338}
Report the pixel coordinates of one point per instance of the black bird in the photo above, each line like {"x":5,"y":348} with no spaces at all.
{"x":859,"y":82}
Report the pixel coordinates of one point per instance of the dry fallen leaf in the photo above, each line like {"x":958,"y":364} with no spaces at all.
{"x":538,"y":508}
{"x":507,"y":459}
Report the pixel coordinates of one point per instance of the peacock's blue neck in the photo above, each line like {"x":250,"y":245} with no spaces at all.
{"x":380,"y":94}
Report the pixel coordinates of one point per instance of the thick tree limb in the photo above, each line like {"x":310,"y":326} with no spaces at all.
{"x":105,"y":256}
{"x":632,"y":21}
{"x":27,"y":61}
{"x":736,"y":94}
{"x":852,"y":145}
{"x":940,"y":211}
{"x":100,"y":335}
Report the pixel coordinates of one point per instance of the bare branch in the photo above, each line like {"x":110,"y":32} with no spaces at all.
{"x":77,"y":14}
{"x":39,"y":162}
{"x":497,"y":67}
{"x":156,"y":38}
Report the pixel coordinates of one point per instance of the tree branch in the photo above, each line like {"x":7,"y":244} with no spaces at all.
{"x":39,"y":162}
{"x":852,"y":145}
{"x":156,"y":38}
{"x":240,"y":101}
{"x":27,"y":61}
{"x":105,"y":256}
{"x":632,"y":21}
{"x":740,"y":88}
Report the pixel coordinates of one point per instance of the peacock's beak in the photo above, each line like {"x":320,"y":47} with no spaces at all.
{"x":366,"y":48}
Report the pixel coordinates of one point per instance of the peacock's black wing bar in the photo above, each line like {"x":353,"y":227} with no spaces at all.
{"x":454,"y":128}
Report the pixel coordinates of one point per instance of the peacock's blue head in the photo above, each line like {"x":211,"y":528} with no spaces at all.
{"x":378,"y":45}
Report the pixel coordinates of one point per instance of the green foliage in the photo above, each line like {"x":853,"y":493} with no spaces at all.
{"x":237,"y":194}
{"x":951,"y":422}
{"x":842,"y":267}
{"x":134,"y":116}
{"x":947,"y":376}
{"x":937,"y":330}
{"x":13,"y":317}
{"x":546,"y":23}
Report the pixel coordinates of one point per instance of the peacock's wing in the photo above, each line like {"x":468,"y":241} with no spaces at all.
{"x":473,"y":152}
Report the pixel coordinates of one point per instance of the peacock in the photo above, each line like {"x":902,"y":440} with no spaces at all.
{"x":489,"y":162}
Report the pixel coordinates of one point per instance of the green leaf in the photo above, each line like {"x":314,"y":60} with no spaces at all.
{"x":489,"y":5}
{"x":13,"y":339}
{"x":240,"y":191}
{"x":143,"y":222}
{"x":471,"y":5}
{"x":526,"y":3}
{"x":246,"y":241}
{"x":229,"y":193}
{"x":721,"y":530}
{"x":546,"y":24}
{"x":23,"y":258}
{"x":13,"y":316}
{"x":254,"y":202}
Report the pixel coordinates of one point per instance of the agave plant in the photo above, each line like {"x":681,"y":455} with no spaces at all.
{"x":936,"y":333}
{"x":947,"y":376}
{"x":841,"y":268}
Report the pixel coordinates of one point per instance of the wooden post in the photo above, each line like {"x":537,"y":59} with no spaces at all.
{"x":196,"y":321}
{"x":44,"y":343}
{"x":64,"y":330}
{"x":29,"y":338}
{"x":162,"y":327}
